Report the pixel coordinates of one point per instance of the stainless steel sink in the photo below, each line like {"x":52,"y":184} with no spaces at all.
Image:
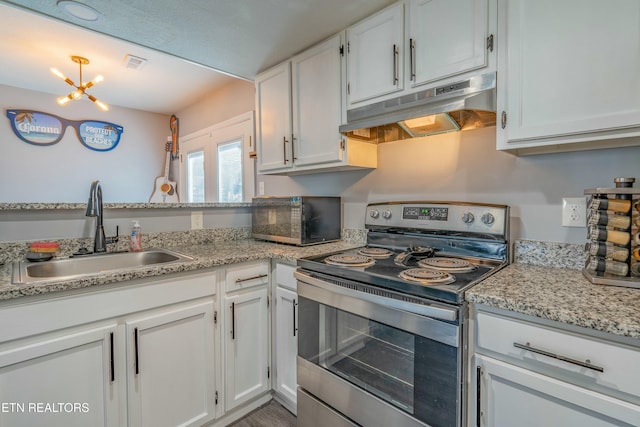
{"x":29,"y":272}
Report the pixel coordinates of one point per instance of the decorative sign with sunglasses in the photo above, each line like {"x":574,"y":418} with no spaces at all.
{"x":38,"y":128}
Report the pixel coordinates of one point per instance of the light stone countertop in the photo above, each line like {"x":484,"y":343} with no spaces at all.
{"x":204,"y":256}
{"x":562,"y":295}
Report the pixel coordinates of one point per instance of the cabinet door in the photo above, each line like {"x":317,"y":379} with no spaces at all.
{"x":317,"y":104}
{"x":512,"y":396}
{"x":568,"y":68}
{"x":273,"y":118}
{"x":171,"y":367}
{"x":286,"y":343}
{"x":61,"y":380}
{"x":446,"y":37}
{"x":375,"y":55}
{"x":246,"y":331}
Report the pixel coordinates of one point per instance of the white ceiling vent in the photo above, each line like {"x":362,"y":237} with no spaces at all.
{"x":133,"y":62}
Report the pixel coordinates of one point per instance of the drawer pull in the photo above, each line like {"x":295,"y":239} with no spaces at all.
{"x":585,"y":364}
{"x":260,"y":276}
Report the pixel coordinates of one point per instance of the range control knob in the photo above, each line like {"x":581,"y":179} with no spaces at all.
{"x":468,"y":218}
{"x":374,"y":214}
{"x":386,"y":214}
{"x":488,"y":219}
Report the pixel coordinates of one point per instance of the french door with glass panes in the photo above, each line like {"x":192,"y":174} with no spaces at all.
{"x":215,"y":164}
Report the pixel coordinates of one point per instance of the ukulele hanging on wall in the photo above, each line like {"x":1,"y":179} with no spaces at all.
{"x":164,"y":190}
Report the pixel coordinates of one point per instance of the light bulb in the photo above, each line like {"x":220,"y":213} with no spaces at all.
{"x":57,"y":73}
{"x":76,"y":94}
{"x":63,"y":100}
{"x":99,"y":78}
{"x":102,"y":105}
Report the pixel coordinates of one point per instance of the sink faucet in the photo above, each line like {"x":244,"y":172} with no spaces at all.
{"x":94,"y":209}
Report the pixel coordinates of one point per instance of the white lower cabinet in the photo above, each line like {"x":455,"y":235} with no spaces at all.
{"x":514,"y":396}
{"x":285,"y":335}
{"x":286,"y":343}
{"x":245,"y":329}
{"x":171,"y":371}
{"x":62,"y":380}
{"x":529,"y":374}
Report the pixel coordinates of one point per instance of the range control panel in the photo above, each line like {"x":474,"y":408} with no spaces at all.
{"x":441,"y":216}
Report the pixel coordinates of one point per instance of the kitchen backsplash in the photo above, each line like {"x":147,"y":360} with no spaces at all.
{"x":549,"y":254}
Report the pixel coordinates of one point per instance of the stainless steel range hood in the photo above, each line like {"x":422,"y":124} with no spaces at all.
{"x":468,"y":104}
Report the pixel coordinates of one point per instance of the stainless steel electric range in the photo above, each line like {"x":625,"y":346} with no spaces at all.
{"x":382,"y":328}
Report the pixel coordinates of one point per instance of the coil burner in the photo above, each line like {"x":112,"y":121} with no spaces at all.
{"x":427,"y":276}
{"x":455,"y":265}
{"x":349,"y":260}
{"x":376,"y":252}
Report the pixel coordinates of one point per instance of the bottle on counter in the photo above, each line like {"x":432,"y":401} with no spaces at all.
{"x":616,"y":205}
{"x":607,"y":250}
{"x":135,"y":244}
{"x":604,"y":235}
{"x":609,"y":219}
{"x":599,"y":265}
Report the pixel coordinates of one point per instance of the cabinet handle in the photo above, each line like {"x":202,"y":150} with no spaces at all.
{"x":395,"y":65}
{"x":293,"y":147}
{"x":233,"y":320}
{"x":412,"y":59}
{"x":503,"y":119}
{"x":295,"y":328}
{"x":284,"y":149}
{"x":111,"y":361}
{"x":586,"y":364}
{"x":260,"y":276}
{"x":135,"y":346}
{"x":478,"y":398}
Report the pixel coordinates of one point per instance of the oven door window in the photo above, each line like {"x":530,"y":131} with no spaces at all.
{"x":416,"y":374}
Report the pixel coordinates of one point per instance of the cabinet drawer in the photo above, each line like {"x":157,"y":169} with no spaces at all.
{"x":593,"y":363}
{"x":246,"y":276}
{"x":284,"y":276}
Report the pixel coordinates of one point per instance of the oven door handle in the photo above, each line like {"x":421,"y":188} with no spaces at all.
{"x":433,"y":311}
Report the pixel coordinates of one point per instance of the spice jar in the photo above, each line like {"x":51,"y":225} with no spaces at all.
{"x":600,"y":265}
{"x":609,"y":219}
{"x":616,"y":205}
{"x":604,"y":235}
{"x":608,"y":250}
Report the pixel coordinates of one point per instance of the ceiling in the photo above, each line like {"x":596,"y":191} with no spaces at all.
{"x":192,"y":47}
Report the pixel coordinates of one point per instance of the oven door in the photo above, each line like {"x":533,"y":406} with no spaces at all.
{"x":375,"y":359}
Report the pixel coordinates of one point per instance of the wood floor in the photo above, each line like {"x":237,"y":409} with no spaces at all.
{"x":272,"y":414}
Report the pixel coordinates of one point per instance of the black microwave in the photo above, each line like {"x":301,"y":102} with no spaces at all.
{"x":298,"y":220}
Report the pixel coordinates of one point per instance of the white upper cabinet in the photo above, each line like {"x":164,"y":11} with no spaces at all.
{"x":317,"y":104}
{"x":273,"y":118}
{"x":415,"y":45}
{"x":375,"y":53}
{"x":568,"y":74}
{"x":299,"y":106}
{"x":446,"y":38}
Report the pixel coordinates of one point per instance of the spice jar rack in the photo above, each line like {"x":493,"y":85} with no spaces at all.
{"x":613,"y":246}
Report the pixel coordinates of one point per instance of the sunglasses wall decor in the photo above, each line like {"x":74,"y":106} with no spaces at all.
{"x":38,"y":128}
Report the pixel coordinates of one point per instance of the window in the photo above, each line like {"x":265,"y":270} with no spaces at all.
{"x":230,"y":172}
{"x":195,"y":177}
{"x":215,"y":164}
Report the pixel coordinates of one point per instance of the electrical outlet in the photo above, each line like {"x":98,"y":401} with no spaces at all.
{"x":574,"y":211}
{"x":197,"y":221}
{"x":261,"y":188}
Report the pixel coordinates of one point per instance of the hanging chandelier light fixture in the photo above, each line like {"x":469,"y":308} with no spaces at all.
{"x":81,"y":87}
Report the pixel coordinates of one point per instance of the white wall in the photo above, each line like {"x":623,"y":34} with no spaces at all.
{"x":63,"y":172}
{"x":465,"y":166}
